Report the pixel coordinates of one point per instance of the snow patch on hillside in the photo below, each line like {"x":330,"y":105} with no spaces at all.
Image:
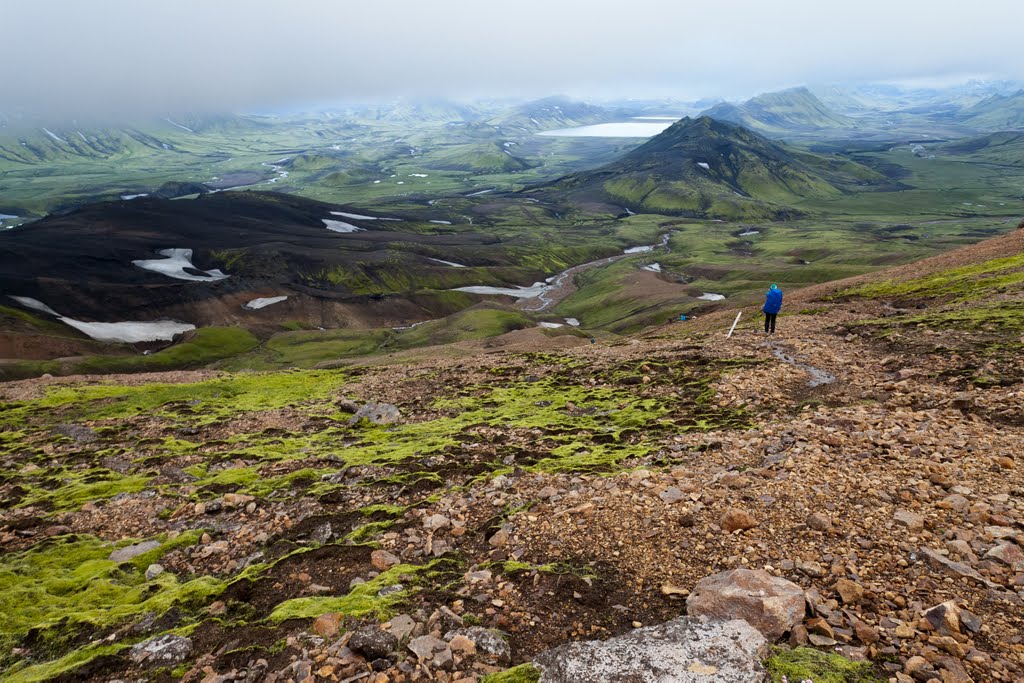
{"x":35,"y":304}
{"x":341,"y":226}
{"x":124,"y":332}
{"x":174,"y":263}
{"x":447,"y":263}
{"x":257,"y":304}
{"x":360,"y":217}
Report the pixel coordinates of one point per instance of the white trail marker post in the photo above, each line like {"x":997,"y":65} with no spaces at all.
{"x":734,"y":322}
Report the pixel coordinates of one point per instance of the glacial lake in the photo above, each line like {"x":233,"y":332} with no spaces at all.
{"x":641,"y":127}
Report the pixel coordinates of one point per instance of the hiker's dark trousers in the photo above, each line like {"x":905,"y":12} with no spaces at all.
{"x":769,"y":322}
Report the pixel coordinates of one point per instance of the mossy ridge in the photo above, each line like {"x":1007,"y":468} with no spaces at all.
{"x":311,"y":348}
{"x":13,"y":442}
{"x":84,"y":565}
{"x":998,"y":317}
{"x":805,"y":663}
{"x":983,"y":337}
{"x":363,"y":600}
{"x":558,"y":568}
{"x":610,"y":412}
{"x":580,"y":428}
{"x":75,"y":488}
{"x":69,"y":663}
{"x":967,"y":283}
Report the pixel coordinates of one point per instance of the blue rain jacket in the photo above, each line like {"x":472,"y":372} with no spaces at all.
{"x":773,"y":302}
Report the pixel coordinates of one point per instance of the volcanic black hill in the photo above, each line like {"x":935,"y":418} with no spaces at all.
{"x":714,"y":169}
{"x":339,"y":270}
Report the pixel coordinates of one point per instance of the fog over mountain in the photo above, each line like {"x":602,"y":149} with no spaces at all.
{"x":107,"y":57}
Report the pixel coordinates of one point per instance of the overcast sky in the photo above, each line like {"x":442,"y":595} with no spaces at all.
{"x":83,"y":57}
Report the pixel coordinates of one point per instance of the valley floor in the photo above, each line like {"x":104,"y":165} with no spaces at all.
{"x":552,"y":494}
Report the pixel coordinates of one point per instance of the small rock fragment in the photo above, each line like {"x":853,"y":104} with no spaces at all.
{"x":736,"y":519}
{"x":911,"y":520}
{"x":328,"y":625}
{"x":850,"y":592}
{"x":499,"y":539}
{"x":373,"y":642}
{"x":382,"y":560}
{"x":820,"y":522}
{"x":165,"y":650}
{"x":1009,"y":554}
{"x":944,"y":618}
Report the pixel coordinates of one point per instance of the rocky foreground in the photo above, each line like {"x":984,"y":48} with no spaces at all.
{"x":853,"y":484}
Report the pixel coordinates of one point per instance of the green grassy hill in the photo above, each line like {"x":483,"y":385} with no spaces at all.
{"x":484,"y":157}
{"x":552,"y":112}
{"x":999,"y":112}
{"x":781,"y":112}
{"x":1003,"y":148}
{"x":712,"y":169}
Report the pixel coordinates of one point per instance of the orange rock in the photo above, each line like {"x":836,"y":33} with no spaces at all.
{"x":736,"y":519}
{"x":327,"y":625}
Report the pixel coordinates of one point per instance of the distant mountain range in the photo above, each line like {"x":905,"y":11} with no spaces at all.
{"x":26,"y":141}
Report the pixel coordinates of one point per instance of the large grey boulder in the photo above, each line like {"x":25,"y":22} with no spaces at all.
{"x":770,"y":604}
{"x":684,"y":650}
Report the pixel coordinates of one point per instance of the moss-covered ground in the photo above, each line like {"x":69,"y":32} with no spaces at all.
{"x":280,"y":437}
{"x":65,"y":592}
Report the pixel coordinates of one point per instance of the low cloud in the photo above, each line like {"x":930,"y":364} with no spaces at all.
{"x":117,"y":58}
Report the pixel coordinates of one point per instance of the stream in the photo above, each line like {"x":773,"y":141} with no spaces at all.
{"x":542,"y":296}
{"x":819,"y":377}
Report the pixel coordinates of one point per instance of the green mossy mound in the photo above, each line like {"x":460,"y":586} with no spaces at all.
{"x":804,"y":663}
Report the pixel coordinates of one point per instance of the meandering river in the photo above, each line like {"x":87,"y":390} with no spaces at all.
{"x":542,"y":296}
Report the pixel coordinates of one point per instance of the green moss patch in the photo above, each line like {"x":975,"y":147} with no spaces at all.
{"x":363,"y":600}
{"x":524,"y":673}
{"x":72,"y":490}
{"x":196,"y":403}
{"x":804,"y":663}
{"x":65,"y":589}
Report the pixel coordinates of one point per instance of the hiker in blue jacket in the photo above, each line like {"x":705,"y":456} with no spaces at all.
{"x":772,"y":306}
